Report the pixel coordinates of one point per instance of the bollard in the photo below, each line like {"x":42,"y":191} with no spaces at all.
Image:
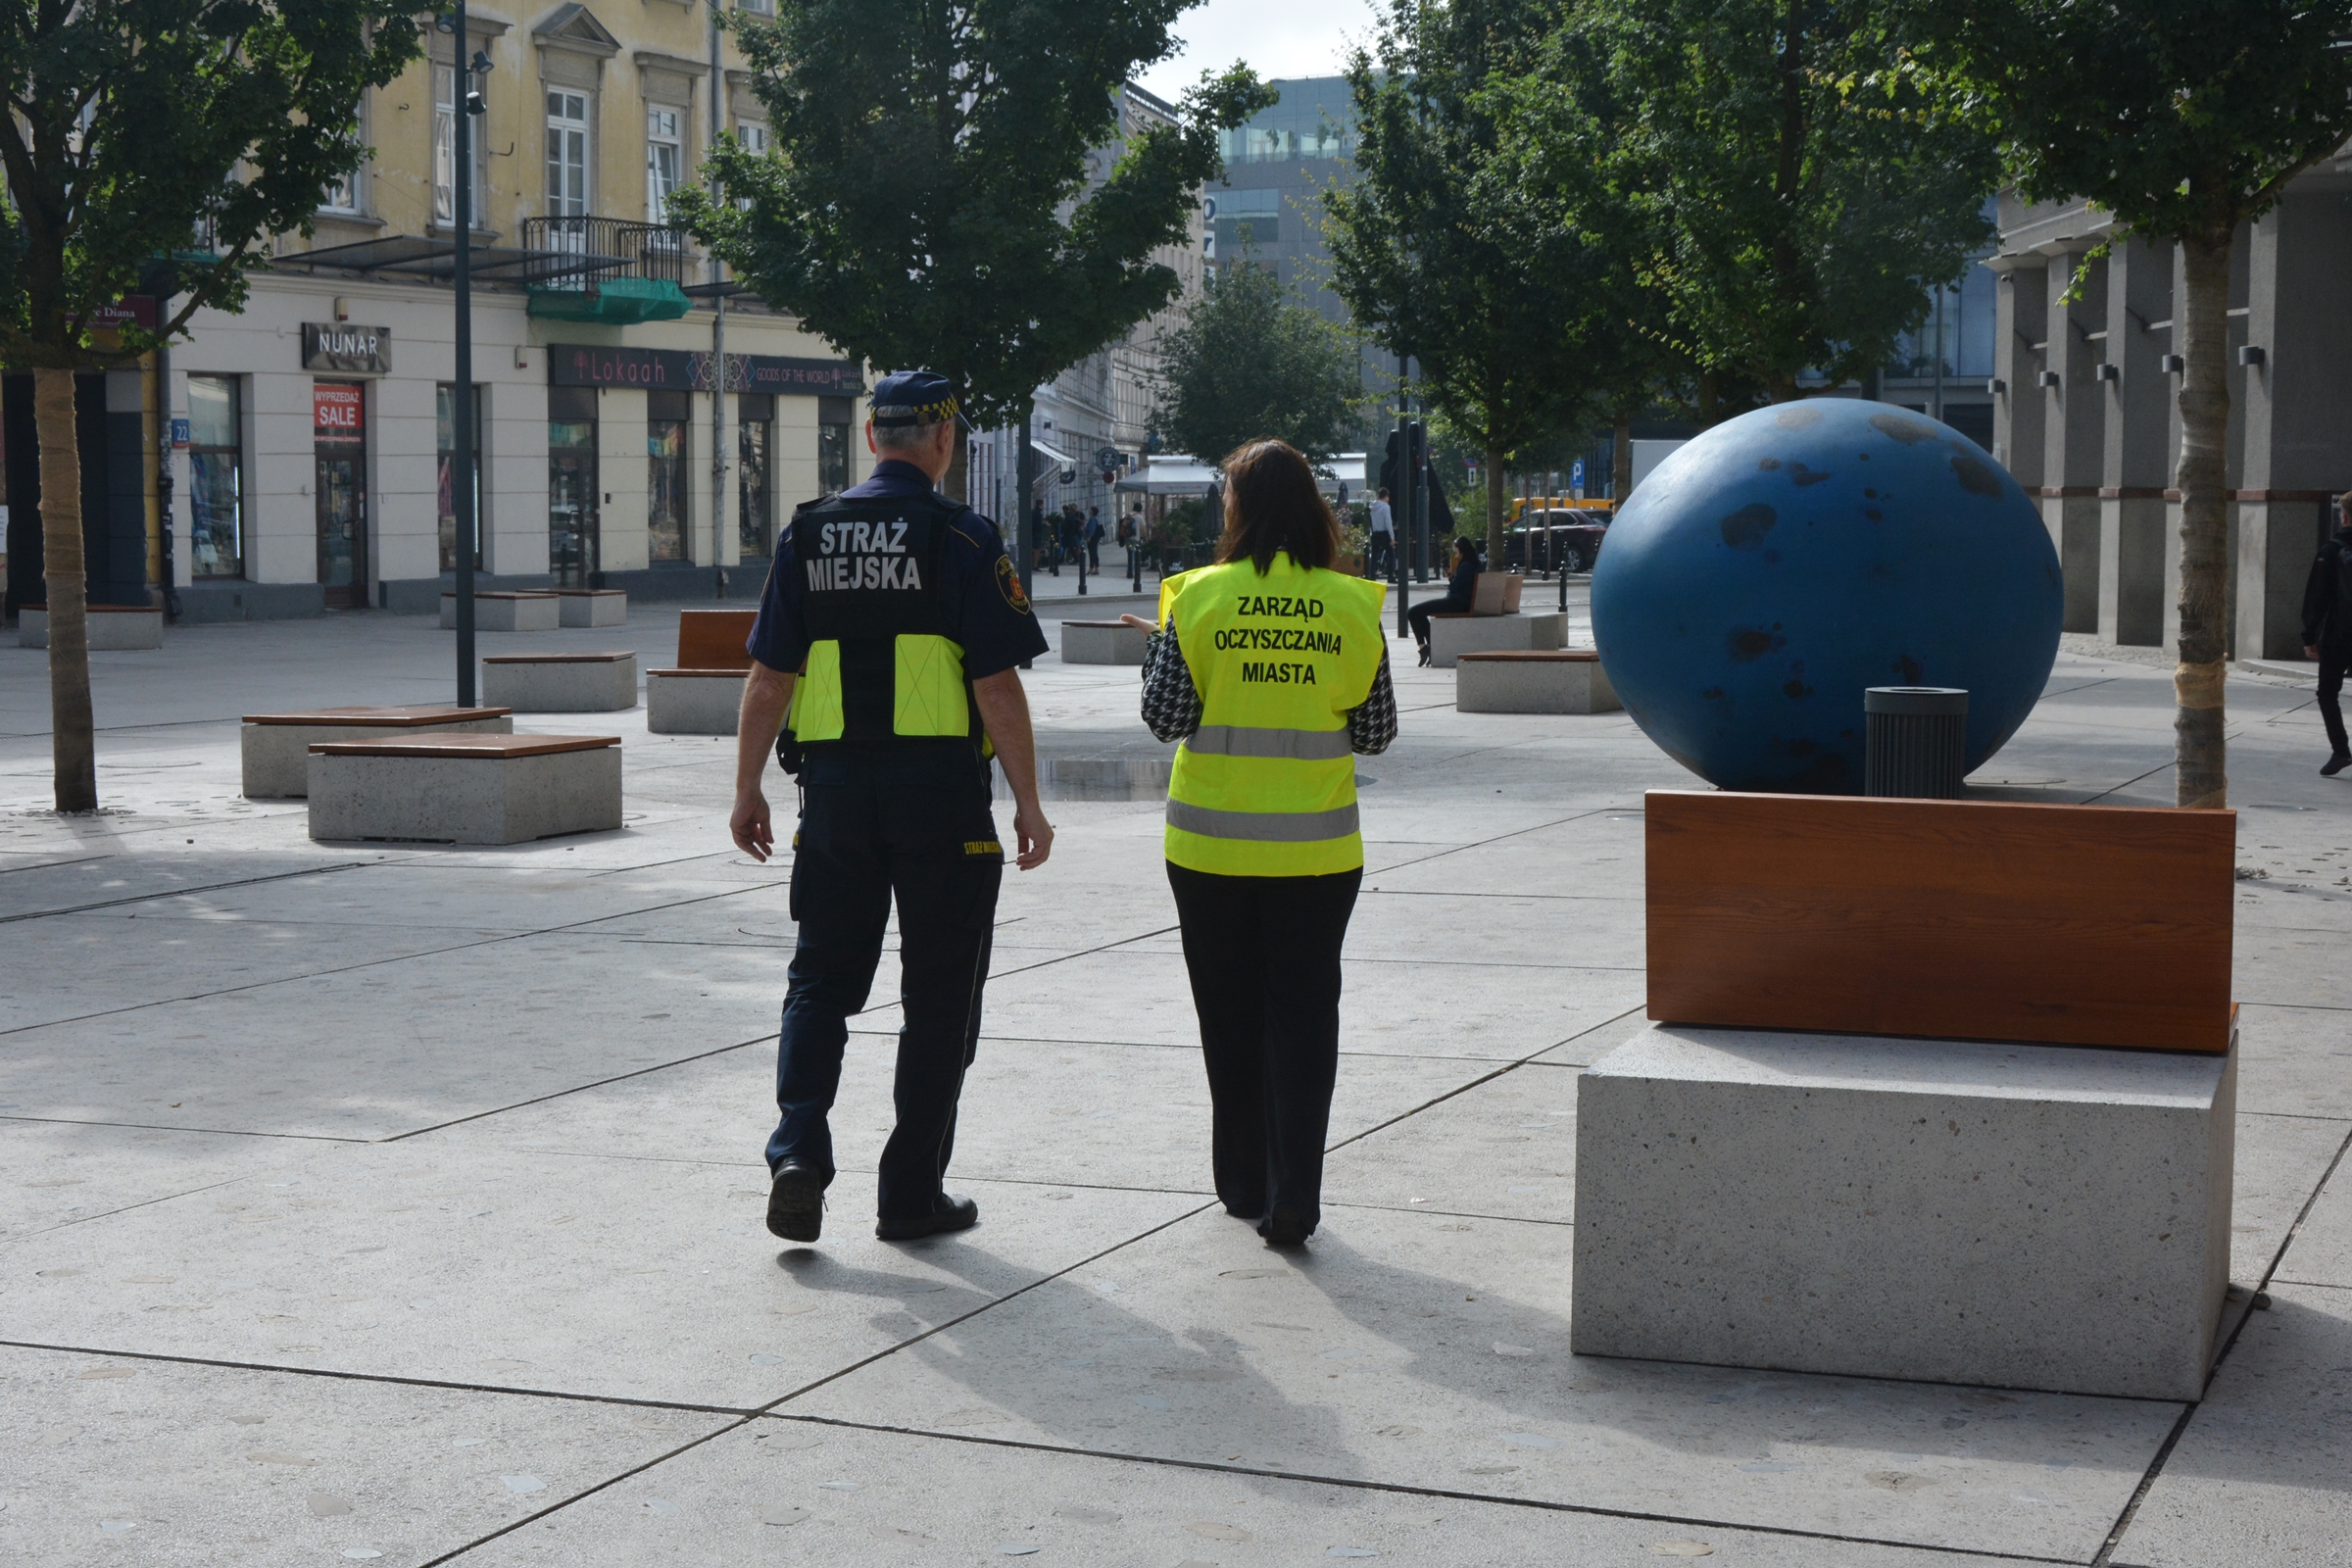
{"x":1916,"y":741}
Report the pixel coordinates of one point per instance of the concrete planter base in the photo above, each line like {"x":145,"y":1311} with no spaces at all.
{"x":1532,"y":681}
{"x":112,"y":628}
{"x":505,"y":612}
{"x":277,"y":747}
{"x":503,"y":789}
{"x":1451,"y":636}
{"x":593,"y":607}
{"x":1102,"y":642}
{"x":693,"y":702}
{"x":561,"y":683}
{"x":2008,"y":1215}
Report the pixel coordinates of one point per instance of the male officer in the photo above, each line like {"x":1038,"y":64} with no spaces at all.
{"x":889,"y":636}
{"x":2327,"y":631}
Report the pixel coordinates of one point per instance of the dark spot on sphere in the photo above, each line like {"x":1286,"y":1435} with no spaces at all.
{"x":1976,"y":477}
{"x":1796,"y":691}
{"x":1829,"y":774}
{"x":1745,"y":528}
{"x":1863,"y":455}
{"x":1713,"y":694}
{"x":1799,"y":746}
{"x":1754,"y":642}
{"x":1873,"y":514}
{"x":1772,"y":558}
{"x":1907,"y":431}
{"x":1870,"y":495}
{"x":1805,"y":477}
{"x":1907,"y":667}
{"x":1769,"y":464}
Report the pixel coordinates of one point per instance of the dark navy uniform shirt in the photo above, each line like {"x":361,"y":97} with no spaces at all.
{"x":991,"y":616}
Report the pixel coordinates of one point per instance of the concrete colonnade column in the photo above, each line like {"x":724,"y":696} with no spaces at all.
{"x":2074,"y":411}
{"x":2136,"y":464}
{"x":2019,"y":311}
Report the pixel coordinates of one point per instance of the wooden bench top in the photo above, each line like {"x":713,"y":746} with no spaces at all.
{"x":379,"y":717}
{"x":495,"y":747}
{"x":1489,"y":614}
{"x":1541,"y":656}
{"x":2093,"y":926}
{"x":556,"y":659}
{"x":590,"y":593}
{"x":502,"y":593}
{"x":104,"y":610}
{"x":1109,"y":626}
{"x":739,"y":673}
{"x":713,"y":638}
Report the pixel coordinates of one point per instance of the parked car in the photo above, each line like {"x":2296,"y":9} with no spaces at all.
{"x":1563,"y":535}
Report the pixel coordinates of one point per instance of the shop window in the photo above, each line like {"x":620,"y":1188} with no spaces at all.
{"x":445,"y":439}
{"x":667,"y":414}
{"x":567,"y":154}
{"x":833,"y":416}
{"x":755,"y":517}
{"x":572,"y":509}
{"x":664,"y":160}
{"x":215,"y":477}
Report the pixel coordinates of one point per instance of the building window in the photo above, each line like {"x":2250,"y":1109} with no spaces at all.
{"x":758,"y":7}
{"x":667,"y":414}
{"x":445,"y":439}
{"x":755,"y":415}
{"x":567,"y":154}
{"x":216,"y":478}
{"x":664,"y":161}
{"x":753,"y":135}
{"x":833,"y":420}
{"x":445,"y":154}
{"x":343,"y":195}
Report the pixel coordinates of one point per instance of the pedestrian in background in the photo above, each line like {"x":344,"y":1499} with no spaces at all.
{"x":1379,"y":556}
{"x":1461,"y":592}
{"x":1094,"y":538}
{"x":2327,"y":631}
{"x":1273,"y":673}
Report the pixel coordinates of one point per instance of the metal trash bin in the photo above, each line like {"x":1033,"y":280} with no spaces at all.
{"x":1916,"y":741}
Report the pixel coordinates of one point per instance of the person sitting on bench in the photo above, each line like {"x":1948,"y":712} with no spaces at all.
{"x":1461,"y":591}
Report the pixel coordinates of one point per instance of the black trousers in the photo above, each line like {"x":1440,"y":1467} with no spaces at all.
{"x":2333,"y":661}
{"x":1417,"y":617}
{"x":872,"y":831}
{"x":1380,"y":557}
{"x":1263,"y":953}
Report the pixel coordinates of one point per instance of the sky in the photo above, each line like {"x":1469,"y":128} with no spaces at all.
{"x":1273,"y":37}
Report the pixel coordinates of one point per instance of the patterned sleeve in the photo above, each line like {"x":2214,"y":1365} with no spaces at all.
{"x":1372,"y":722}
{"x":1171,"y":701}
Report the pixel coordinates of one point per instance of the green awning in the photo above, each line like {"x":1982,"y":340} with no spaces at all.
{"x":614,"y":301}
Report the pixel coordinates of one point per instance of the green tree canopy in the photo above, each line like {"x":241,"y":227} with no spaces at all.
{"x":2185,"y":119}
{"x":1248,"y":361}
{"x":145,"y":130}
{"x":927,"y":200}
{"x":1791,"y":189}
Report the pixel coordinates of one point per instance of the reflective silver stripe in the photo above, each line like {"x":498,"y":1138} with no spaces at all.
{"x":1264,"y":827}
{"x":1240,"y":740}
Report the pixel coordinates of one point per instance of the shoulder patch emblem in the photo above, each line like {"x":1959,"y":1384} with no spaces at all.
{"x":1008,"y":583}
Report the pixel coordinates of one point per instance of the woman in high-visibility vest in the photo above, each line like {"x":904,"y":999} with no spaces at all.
{"x":1273,"y":671}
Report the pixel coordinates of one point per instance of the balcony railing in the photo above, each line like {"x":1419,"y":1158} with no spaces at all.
{"x":580,"y":249}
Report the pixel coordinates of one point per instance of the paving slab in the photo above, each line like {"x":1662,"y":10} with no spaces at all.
{"x":804,"y":1492}
{"x":103,"y":875}
{"x":626,"y":1278}
{"x":1503,"y":1148}
{"x":2295,"y":1062}
{"x":2280,"y":1161}
{"x":112,"y":1460}
{"x":1422,"y":1351}
{"x":66,"y":1173}
{"x":2322,"y":1251}
{"x":2264,"y":1472}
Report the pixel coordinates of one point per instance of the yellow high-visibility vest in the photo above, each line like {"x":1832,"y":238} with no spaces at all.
{"x":1266,"y":786}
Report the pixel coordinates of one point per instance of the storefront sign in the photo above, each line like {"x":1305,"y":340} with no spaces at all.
{"x":335,"y":346}
{"x":670,"y":369}
{"x":132,"y":310}
{"x":337,"y":412}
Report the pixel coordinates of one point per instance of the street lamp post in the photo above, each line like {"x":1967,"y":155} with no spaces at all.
{"x":466,"y":103}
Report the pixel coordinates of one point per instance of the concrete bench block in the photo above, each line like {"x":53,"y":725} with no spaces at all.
{"x":277,"y":747}
{"x":593,"y":607}
{"x":2011,"y":1215}
{"x":1451,"y":636}
{"x":561,"y":683}
{"x":112,"y":628}
{"x":693,"y":702}
{"x":507,"y":611}
{"x":1102,"y":642}
{"x":466,"y":789}
{"x":1533,"y":681}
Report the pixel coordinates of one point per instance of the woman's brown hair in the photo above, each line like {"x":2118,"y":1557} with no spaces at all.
{"x":1272,"y":506}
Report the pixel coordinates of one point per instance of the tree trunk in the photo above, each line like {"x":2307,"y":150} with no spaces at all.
{"x":2201,"y":761}
{"x":73,"y":745}
{"x":1497,"y":505}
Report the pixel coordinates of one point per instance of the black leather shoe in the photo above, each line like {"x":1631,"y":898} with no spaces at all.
{"x":2336,"y":764}
{"x":1286,"y":1228}
{"x":796,"y":1202}
{"x":948,"y":1213}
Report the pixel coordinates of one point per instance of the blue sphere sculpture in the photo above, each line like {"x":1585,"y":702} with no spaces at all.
{"x":1770,"y":570}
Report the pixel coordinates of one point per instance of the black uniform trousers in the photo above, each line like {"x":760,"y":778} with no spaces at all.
{"x":2335,"y":658}
{"x":911,"y":823}
{"x":1263,"y":953}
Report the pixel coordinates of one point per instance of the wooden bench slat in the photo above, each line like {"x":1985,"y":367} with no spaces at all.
{"x":2094,"y":925}
{"x":494,"y":747}
{"x":554,"y":658}
{"x":713,"y":638}
{"x":380,"y":717}
{"x":1549,"y":656}
{"x":738,"y":672}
